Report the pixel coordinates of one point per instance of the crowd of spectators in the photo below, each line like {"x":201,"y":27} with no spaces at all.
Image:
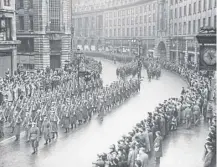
{"x":145,"y":140}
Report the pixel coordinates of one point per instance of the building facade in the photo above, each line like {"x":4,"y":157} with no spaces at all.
{"x":167,"y":28}
{"x":8,"y":40}
{"x":44,"y":29}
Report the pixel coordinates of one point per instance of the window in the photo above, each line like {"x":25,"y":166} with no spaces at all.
{"x":136,"y":19}
{"x":128,"y":32}
{"x":140,"y":31}
{"x":199,"y":6}
{"x":132,"y":20}
{"x":198,"y":25}
{"x":119,"y":22}
{"x":194,"y":26}
{"x":132,"y":32}
{"x":153,"y":30}
{"x":184,"y":28}
{"x":115,"y":32}
{"x":21,"y":22}
{"x":123,"y":32}
{"x":27,"y":45}
{"x":171,"y":14}
{"x":110,"y":32}
{"x":136,"y":31}
{"x":176,"y":1}
{"x":180,"y":12}
{"x":175,"y":12}
{"x":215,"y":21}
{"x":115,"y":22}
{"x":141,"y":9}
{"x":171,"y":2}
{"x":180,"y":28}
{"x":210,"y":4}
{"x":144,"y":8}
{"x":123,"y":21}
{"x":145,"y":33}
{"x":55,"y":45}
{"x":149,"y":6}
{"x":189,"y":11}
{"x":145,"y":19}
{"x":149,"y":30}
{"x":175,"y":29}
{"x":154,"y":17}
{"x":204,"y":22}
{"x":209,"y":21}
{"x":185,"y":10}
{"x":195,"y":7}
{"x":140,"y":19}
{"x":189,"y":27}
{"x":30,"y":4}
{"x":21,"y":4}
{"x":128,"y":21}
{"x":110,"y":23}
{"x":8,"y":35}
{"x":149,"y":19}
{"x":204,"y":5}
{"x":7,"y":2}
{"x":54,"y":10}
{"x":31,"y":23}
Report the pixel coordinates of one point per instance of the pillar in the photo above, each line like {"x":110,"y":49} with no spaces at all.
{"x":65,"y":52}
{"x":186,"y":53}
{"x":195,"y":53}
{"x":14,"y":60}
{"x":177,"y":52}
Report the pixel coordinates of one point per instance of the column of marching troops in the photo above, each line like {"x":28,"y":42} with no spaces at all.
{"x":144,"y":142}
{"x":41,"y":112}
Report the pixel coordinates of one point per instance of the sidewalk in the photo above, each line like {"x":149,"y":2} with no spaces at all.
{"x":184,"y":148}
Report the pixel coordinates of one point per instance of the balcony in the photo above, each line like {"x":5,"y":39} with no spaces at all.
{"x":15,"y":42}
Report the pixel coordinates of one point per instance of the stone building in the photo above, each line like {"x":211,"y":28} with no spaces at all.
{"x":8,"y":40}
{"x":44,"y":29}
{"x":167,"y":28}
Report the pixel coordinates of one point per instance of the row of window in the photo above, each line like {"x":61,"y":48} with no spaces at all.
{"x":138,"y":31}
{"x":136,"y":10}
{"x":22,"y":25}
{"x":193,"y":26}
{"x":7,"y":2}
{"x":20,"y":4}
{"x":132,"y":20}
{"x":27,"y":45}
{"x":196,"y":9}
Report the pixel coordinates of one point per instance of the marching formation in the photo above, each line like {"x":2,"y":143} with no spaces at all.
{"x":145,"y":140}
{"x":41,"y":112}
{"x":153,"y":68}
{"x":127,"y":70}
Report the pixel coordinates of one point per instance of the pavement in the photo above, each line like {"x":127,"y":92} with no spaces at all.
{"x":182,"y":148}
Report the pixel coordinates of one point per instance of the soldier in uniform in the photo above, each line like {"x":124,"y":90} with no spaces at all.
{"x":17,"y":127}
{"x":54,"y":119}
{"x":46,"y":130}
{"x":66,"y":120}
{"x":2,"y":121}
{"x":34,"y":137}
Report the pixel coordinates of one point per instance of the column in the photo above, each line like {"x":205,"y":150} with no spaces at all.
{"x":65,"y":52}
{"x":195,"y":53}
{"x":14,"y":60}
{"x":186,"y":53}
{"x":177,"y":52}
{"x":130,"y":47}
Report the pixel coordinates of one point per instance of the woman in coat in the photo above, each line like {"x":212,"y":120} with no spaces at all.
{"x":158,"y":147}
{"x":132,"y":157}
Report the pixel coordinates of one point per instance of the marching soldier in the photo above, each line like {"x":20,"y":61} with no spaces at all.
{"x":54,"y":119}
{"x":34,"y":137}
{"x":46,"y":130}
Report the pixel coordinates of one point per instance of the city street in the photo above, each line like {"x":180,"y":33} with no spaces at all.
{"x":80,"y":147}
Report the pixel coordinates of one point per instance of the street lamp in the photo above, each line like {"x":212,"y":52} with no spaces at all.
{"x":78,"y":58}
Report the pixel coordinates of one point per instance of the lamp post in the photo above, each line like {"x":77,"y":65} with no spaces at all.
{"x":78,"y":57}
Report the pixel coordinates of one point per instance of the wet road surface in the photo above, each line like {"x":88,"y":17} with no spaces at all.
{"x":79,"y":147}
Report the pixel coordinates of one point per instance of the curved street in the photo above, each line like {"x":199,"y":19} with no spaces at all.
{"x":79,"y":148}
